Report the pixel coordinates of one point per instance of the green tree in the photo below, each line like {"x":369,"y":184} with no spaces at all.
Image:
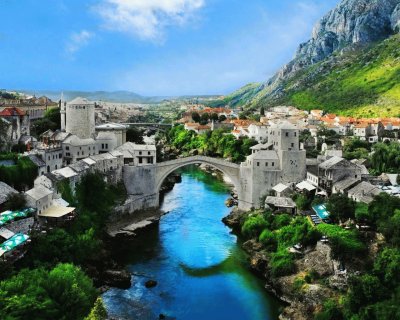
{"x":214,"y":117}
{"x":98,"y":311}
{"x":15,"y":201}
{"x":134,"y":135}
{"x":196,"y":117}
{"x":253,"y":226}
{"x":341,"y":207}
{"x":63,"y":293}
{"x":221,"y":118}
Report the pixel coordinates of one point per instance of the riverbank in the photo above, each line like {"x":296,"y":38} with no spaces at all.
{"x":302,"y":299}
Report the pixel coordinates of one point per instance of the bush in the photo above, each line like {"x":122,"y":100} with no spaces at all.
{"x":63,"y":293}
{"x":282,"y":263}
{"x":344,"y":243}
{"x":330,"y":311}
{"x":267,"y":238}
{"x":281,"y":220}
{"x":253,"y":226}
{"x":98,"y":311}
{"x":15,"y":201}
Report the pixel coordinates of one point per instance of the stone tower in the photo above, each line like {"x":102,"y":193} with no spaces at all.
{"x":80,"y":118}
{"x":62,"y":106}
{"x":292,"y":158}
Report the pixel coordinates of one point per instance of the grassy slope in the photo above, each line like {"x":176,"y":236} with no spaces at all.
{"x":239,"y":97}
{"x":359,"y":83}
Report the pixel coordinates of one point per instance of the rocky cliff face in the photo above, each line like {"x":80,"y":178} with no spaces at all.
{"x":352,"y":22}
{"x":351,"y":25}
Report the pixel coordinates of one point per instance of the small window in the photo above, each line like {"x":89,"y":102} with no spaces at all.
{"x":266,"y":164}
{"x":102,"y":145}
{"x":148,"y":153}
{"x":287,"y":134}
{"x":140,"y":160}
{"x":140,"y":152}
{"x":106,"y":145}
{"x":273,"y":164}
{"x":292,"y":145}
{"x":66,"y":148}
{"x":295,"y":134}
{"x":258,"y":164}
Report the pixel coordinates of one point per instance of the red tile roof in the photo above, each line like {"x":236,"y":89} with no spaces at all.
{"x":11,"y":111}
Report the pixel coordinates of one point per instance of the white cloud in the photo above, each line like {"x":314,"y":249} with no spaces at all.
{"x":78,"y":40}
{"x":146,"y":19}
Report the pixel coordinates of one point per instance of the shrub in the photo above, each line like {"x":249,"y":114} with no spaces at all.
{"x":267,"y":238}
{"x":64,"y":292}
{"x":282,"y":263}
{"x":281,"y":220}
{"x":344,"y":243}
{"x":253,"y":226}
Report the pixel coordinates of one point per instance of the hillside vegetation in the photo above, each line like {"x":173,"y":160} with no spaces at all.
{"x":361,"y":82}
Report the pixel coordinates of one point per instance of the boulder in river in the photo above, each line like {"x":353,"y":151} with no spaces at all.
{"x":117,"y":278}
{"x":150,"y":283}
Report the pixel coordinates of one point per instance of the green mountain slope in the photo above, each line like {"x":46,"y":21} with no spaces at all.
{"x":360,"y":82}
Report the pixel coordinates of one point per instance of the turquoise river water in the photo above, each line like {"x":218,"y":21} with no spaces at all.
{"x":199,"y":266}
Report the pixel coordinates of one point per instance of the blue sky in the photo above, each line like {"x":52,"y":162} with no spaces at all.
{"x":151,"y":47}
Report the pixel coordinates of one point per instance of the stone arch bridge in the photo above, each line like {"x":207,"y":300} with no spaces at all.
{"x":164,"y":169}
{"x":143,"y":183}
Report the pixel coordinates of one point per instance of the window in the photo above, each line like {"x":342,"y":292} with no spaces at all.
{"x":292,"y":145}
{"x":266,"y":164}
{"x":67,"y":148}
{"x":140,"y":152}
{"x":295,"y":134}
{"x":49,"y":157}
{"x":258,"y":164}
{"x":78,"y":153}
{"x":273,"y":164}
{"x":287,"y":134}
{"x":148,"y":153}
{"x":68,"y":154}
{"x":106,"y":145}
{"x":102,"y":145}
{"x":140,"y":160}
{"x":60,"y":156}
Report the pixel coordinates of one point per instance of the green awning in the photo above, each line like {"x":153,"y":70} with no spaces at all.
{"x":8,"y":216}
{"x":13,"y":242}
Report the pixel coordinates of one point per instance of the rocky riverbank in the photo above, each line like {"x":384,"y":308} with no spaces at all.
{"x":303,"y":298}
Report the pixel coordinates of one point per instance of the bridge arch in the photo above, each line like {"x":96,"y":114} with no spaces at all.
{"x":231,"y":170}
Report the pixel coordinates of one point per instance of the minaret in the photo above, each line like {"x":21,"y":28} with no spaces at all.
{"x":62,"y":111}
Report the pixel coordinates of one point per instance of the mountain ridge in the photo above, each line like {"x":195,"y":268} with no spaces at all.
{"x":351,"y":28}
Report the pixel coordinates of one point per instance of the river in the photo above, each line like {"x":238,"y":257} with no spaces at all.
{"x":199,"y":266}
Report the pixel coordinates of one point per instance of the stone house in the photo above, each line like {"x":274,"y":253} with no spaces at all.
{"x":331,"y":171}
{"x":364,"y":192}
{"x":39,"y":198}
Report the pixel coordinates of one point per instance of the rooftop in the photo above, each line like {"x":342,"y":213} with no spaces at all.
{"x":264,"y":155}
{"x":330,"y":162}
{"x":5,"y":191}
{"x":280,"y":202}
{"x":80,"y":101}
{"x":38,"y":192}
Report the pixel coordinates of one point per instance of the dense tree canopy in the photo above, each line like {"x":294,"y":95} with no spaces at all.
{"x":218,"y":143}
{"x":63,"y":293}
